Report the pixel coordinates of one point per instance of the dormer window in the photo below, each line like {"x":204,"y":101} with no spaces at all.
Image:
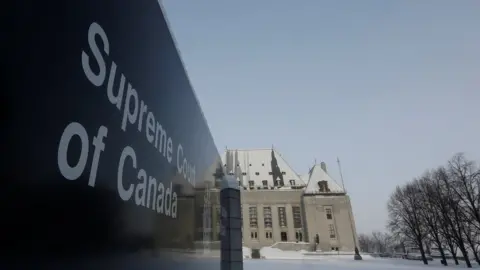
{"x":251,"y":184}
{"x":323,"y":186}
{"x":265,"y":183}
{"x":292,"y":182}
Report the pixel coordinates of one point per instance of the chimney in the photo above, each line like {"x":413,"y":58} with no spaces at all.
{"x":323,"y":166}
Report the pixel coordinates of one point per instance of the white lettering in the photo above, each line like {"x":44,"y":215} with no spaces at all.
{"x":96,"y":79}
{"x":115,"y":100}
{"x":127,"y":113}
{"x":160,"y":198}
{"x":184,"y":167}
{"x":150,"y":129}
{"x":141,"y":187}
{"x":125,"y":194}
{"x":99,"y":146}
{"x":69,"y":172}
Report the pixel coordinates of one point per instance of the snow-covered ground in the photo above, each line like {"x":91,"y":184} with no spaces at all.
{"x":344,"y":264}
{"x":299,"y":260}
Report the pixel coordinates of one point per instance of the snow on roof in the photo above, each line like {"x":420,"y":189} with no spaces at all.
{"x":260,"y":166}
{"x":318,"y":181}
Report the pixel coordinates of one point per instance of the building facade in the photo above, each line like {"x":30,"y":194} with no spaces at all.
{"x":281,"y":206}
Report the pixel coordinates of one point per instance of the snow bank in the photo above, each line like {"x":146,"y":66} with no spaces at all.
{"x":247,"y":252}
{"x":275,"y":253}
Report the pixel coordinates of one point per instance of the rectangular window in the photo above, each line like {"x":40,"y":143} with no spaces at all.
{"x":331,"y":230}
{"x":283,"y":237}
{"x":268,"y":235}
{"x":253,"y":217}
{"x":297,"y":217}
{"x":282,"y":217}
{"x":251,"y":184}
{"x":299,"y":236}
{"x":267,"y":217}
{"x":265,"y":183}
{"x":253,"y":235}
{"x":329,"y":213}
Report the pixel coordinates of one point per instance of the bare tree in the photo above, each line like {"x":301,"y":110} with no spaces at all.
{"x":430,"y":214}
{"x":366,"y":243}
{"x":449,"y":206}
{"x":382,"y":241}
{"x":465,"y":178}
{"x":404,"y":216}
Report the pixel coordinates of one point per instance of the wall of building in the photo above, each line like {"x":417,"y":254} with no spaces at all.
{"x":313,"y":218}
{"x":316,"y":209}
{"x":273,"y":199}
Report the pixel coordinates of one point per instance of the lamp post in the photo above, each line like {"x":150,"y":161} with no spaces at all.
{"x":357,"y":255}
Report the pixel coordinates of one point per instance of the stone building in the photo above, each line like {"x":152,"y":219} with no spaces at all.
{"x":284,"y":209}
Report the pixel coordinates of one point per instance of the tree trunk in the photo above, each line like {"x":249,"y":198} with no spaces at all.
{"x":454,"y":253}
{"x":476,"y":257}
{"x":422,"y":252}
{"x":442,"y":253}
{"x":472,"y":246}
{"x":461,"y":246}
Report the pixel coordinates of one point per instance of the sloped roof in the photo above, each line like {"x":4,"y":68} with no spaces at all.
{"x":318,"y":174}
{"x":256,"y":165}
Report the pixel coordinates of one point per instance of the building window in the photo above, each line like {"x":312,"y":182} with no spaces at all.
{"x":292,"y":182}
{"x":299,"y":236}
{"x":284,"y":173}
{"x":253,"y":235}
{"x":331,"y":230}
{"x":283,"y":237}
{"x":282,"y":217}
{"x":267,"y":217}
{"x":265,"y":183}
{"x":297,"y":217}
{"x":270,"y":173}
{"x":323,"y":186}
{"x":257,"y":173}
{"x":268,"y":235}
{"x":251,"y":184}
{"x":253,"y":217}
{"x":244,"y":173}
{"x":329,"y":213}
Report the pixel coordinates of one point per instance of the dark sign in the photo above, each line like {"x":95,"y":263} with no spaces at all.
{"x":106,"y":149}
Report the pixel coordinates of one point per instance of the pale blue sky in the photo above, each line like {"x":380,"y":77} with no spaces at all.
{"x":391,"y":87}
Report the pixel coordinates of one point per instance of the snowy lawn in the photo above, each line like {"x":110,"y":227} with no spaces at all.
{"x":342,"y":264}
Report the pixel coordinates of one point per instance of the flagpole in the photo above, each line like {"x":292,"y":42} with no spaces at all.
{"x":341,"y":174}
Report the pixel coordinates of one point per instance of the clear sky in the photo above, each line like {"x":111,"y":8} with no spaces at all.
{"x":390,"y":87}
